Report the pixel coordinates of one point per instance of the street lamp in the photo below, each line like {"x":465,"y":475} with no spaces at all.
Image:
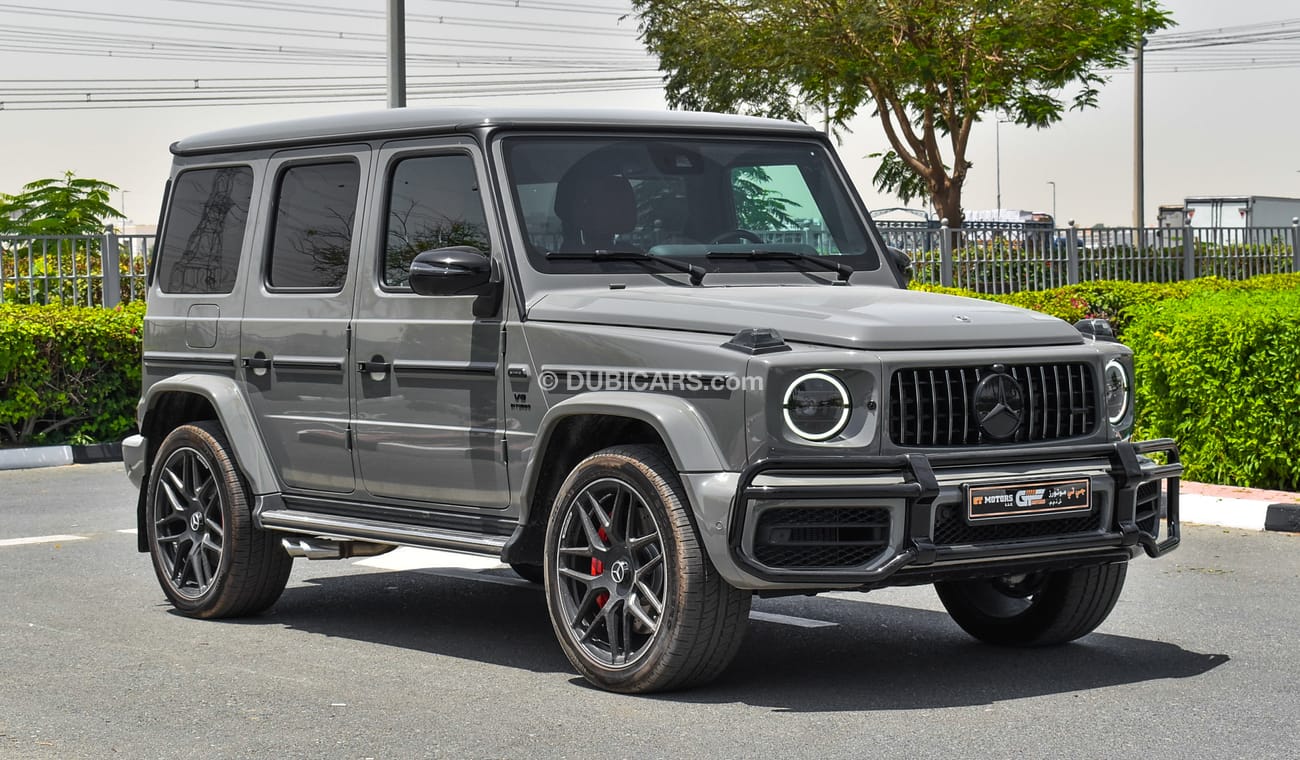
{"x":1053,"y":184}
{"x":997,"y":142}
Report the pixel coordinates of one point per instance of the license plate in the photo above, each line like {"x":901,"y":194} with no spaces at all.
{"x":1027,"y":499}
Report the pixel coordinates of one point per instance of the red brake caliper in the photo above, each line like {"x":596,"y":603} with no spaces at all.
{"x":598,"y":567}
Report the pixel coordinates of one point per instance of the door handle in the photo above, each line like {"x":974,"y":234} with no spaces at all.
{"x":257,"y":362}
{"x":376,"y":366}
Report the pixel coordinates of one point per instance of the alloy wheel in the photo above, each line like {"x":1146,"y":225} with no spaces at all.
{"x":188,"y":525}
{"x":610,"y":573}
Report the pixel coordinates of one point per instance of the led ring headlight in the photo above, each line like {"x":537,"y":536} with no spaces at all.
{"x":816,"y":406}
{"x":1116,"y":386}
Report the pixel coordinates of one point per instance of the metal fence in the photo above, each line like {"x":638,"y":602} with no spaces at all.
{"x":108,"y":269}
{"x":1004,"y":258}
{"x":78,"y":270}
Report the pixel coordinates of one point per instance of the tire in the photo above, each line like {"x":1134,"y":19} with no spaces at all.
{"x":210,"y":559}
{"x":1041,"y":609}
{"x":635,"y":602}
{"x":529,"y":572}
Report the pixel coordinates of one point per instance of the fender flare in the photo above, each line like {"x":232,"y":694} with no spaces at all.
{"x":683,"y":429}
{"x":235,"y":418}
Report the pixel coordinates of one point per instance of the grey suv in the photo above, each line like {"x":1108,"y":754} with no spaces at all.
{"x":656,"y":362}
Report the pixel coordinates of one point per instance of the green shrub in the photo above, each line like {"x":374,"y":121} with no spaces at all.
{"x":1220,"y":373}
{"x":1116,"y":300}
{"x":1218,"y":366}
{"x":68,"y":374}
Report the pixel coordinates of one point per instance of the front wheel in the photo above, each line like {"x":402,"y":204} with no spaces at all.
{"x":1036,"y":609}
{"x":635,"y":603}
{"x":210,"y":559}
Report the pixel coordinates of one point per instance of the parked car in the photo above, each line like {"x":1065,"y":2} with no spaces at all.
{"x":656,"y":362}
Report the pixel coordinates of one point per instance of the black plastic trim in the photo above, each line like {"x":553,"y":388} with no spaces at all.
{"x":920,"y":488}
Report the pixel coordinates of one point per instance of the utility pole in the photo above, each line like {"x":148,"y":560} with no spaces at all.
{"x":997,"y":144}
{"x":396,"y":53}
{"x":1139,"y":148}
{"x":1053,"y":184}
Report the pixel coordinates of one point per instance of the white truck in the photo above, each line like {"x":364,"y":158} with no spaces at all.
{"x":1240,"y":211}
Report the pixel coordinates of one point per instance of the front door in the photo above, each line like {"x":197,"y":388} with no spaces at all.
{"x":427,"y":394}
{"x":294,"y":344}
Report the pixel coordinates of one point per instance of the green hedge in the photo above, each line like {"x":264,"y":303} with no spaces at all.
{"x":1220,"y":373}
{"x":68,"y":374}
{"x":1117,"y":300}
{"x":1218,"y":366}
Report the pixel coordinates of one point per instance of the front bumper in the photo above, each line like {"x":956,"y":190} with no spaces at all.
{"x":910,"y":532}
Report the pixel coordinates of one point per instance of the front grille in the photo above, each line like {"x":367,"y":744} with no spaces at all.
{"x":951,"y":528}
{"x":807,"y":537}
{"x":935,"y":406}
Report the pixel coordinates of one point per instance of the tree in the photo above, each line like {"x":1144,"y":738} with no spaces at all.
{"x":929,"y":69}
{"x":68,"y":206}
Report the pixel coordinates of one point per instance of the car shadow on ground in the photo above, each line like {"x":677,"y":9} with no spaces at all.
{"x":876,"y":657}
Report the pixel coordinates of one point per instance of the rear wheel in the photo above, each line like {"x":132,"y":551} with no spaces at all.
{"x":636,"y":604}
{"x":1037,"y":609}
{"x":210,"y":559}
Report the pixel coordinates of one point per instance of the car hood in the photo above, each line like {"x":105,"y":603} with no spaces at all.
{"x":857,"y":316}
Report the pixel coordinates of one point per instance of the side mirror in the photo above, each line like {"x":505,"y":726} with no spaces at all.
{"x":460,"y":270}
{"x":903,"y":263}
{"x":1096,"y":329}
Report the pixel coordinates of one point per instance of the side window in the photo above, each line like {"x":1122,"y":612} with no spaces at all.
{"x":777,"y":203}
{"x":315,"y":212}
{"x":206,"y":220}
{"x":433,"y":202}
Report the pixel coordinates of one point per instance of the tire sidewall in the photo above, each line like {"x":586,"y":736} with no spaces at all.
{"x":630,"y":471}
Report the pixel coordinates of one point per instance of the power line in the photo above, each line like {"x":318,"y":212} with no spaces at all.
{"x":27,"y":39}
{"x":375,"y":96}
{"x":282,"y":31}
{"x":316,"y":10}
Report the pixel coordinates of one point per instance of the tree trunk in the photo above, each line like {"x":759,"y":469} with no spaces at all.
{"x":947,"y":202}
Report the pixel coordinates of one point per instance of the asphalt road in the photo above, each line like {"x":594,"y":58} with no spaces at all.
{"x":1199,"y":660}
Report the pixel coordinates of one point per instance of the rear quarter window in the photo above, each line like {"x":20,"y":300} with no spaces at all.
{"x":205,"y":228}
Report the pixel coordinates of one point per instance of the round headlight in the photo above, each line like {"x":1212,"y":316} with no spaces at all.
{"x":816,"y":406}
{"x":1117,"y":391}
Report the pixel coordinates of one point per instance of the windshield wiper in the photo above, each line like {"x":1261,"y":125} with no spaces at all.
{"x":842,"y":271}
{"x":696,"y":272}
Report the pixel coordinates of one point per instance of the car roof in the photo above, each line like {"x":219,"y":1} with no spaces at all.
{"x":400,"y":122}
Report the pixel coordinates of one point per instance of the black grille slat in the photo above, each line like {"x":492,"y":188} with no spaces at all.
{"x":950,"y":528}
{"x":805,"y":537}
{"x":933,"y":406}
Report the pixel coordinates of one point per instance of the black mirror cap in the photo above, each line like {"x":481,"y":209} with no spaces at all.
{"x":1096,"y":329}
{"x":459,"y":270}
{"x":902,"y":263}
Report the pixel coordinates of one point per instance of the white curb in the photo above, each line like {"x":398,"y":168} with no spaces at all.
{"x":39,"y":456}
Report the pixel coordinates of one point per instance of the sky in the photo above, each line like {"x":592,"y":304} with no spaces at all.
{"x":1228,"y":132}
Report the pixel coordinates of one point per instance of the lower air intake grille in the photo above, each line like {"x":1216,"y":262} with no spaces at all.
{"x":808,"y":537}
{"x":951,"y":528}
{"x":1148,"y":507}
{"x":935,"y":406}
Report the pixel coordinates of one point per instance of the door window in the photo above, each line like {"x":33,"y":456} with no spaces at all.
{"x":433,"y":202}
{"x":315,"y":217}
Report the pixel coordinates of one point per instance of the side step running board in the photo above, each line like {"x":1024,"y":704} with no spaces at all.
{"x":354,"y":529}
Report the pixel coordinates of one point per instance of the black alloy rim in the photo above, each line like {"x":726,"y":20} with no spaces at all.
{"x":188,"y":527}
{"x":610,"y":573}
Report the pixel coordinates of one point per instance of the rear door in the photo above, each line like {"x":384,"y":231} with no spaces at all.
{"x":428,"y":422}
{"x":294,"y":346}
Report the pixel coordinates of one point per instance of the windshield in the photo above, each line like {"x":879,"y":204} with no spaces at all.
{"x":682,"y":198}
